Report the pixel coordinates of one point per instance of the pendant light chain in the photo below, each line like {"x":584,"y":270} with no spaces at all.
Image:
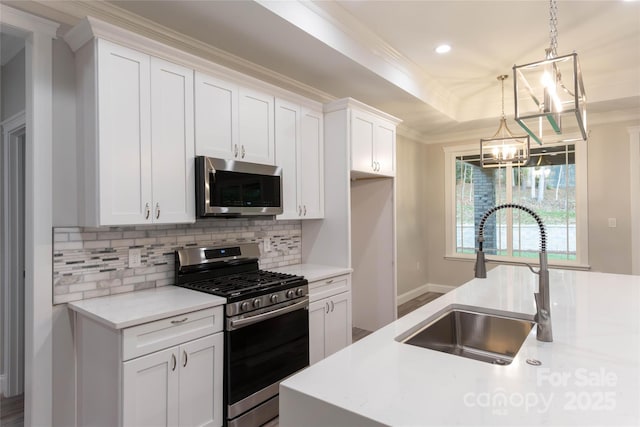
{"x":502,"y":78}
{"x":553,"y":27}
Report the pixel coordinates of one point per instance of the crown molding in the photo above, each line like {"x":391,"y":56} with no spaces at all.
{"x":26,"y":22}
{"x":338,"y":29}
{"x":109,"y":13}
{"x":344,"y":103}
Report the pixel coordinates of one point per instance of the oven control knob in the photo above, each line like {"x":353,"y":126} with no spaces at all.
{"x":289,"y":294}
{"x":256,"y":303}
{"x":274,"y":298}
{"x":299,"y":292}
{"x":244,"y":306}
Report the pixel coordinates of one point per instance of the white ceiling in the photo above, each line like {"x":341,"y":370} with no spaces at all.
{"x":381,"y":52}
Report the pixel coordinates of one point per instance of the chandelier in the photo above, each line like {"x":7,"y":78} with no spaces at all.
{"x":503,"y":147}
{"x":550,"y":102}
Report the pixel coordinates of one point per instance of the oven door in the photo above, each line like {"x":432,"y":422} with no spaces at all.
{"x":261,"y":351}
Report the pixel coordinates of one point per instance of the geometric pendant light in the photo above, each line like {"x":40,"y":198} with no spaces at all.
{"x":503,"y":147}
{"x":550,"y":102}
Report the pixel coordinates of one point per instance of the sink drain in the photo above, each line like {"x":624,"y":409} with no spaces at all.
{"x":534,"y":362}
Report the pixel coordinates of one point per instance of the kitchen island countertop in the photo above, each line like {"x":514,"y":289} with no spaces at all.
{"x":589,"y":374}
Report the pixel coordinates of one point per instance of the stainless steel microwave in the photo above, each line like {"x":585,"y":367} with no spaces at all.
{"x":231,"y":188}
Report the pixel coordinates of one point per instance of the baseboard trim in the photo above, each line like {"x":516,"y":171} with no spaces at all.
{"x":428,"y":287}
{"x":443,"y":289}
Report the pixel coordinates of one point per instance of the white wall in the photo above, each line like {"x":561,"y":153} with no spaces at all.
{"x":608,"y":176}
{"x":411,"y":221}
{"x":13,"y":86}
{"x":65,"y":183}
{"x":12,"y":101}
{"x":64,"y":213}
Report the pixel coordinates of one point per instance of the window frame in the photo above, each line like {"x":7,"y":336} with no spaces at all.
{"x":582,"y":211}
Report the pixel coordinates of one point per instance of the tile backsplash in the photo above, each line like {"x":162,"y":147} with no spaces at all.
{"x":93,"y":262}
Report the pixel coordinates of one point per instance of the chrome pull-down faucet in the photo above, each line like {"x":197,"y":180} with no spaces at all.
{"x":542,"y":298}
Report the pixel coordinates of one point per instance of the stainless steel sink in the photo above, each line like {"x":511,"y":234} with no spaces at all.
{"x":472,"y":334}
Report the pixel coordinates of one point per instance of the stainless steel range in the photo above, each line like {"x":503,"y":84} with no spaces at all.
{"x":266,"y":325}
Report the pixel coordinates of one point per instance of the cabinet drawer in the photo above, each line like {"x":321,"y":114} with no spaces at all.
{"x":154,"y":336}
{"x":327,"y":287}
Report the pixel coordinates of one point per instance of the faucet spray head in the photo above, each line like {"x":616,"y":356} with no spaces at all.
{"x":480,"y":267}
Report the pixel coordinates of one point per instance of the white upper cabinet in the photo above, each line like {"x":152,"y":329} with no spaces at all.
{"x":137,"y":137}
{"x":311,"y":159}
{"x":299,"y":151}
{"x":256,"y":127}
{"x":216,"y":117}
{"x":123,"y":143}
{"x":233,"y":122}
{"x":373,"y":144}
{"x":172,"y":148}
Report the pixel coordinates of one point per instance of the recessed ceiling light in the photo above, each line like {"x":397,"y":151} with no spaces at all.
{"x":443,"y":48}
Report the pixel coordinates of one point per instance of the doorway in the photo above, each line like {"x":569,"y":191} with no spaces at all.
{"x":12,"y":229}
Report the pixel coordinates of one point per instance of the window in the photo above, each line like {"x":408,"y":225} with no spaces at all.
{"x":553,"y":184}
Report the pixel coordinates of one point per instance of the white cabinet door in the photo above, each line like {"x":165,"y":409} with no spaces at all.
{"x":385,"y":148}
{"x":287,"y":128}
{"x":172,"y":148}
{"x":201,"y":382}
{"x":124,"y":148}
{"x":311,"y":165}
{"x":150,"y":390}
{"x":317,"y":312}
{"x":338,"y":323}
{"x":216,"y":117}
{"x":363,"y":129}
{"x":255,"y":127}
{"x":329,"y":326}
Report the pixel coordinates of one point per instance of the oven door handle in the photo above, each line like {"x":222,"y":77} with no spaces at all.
{"x":241,"y":323}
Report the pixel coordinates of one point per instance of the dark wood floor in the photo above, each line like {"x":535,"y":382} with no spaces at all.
{"x":403,"y":309}
{"x":12,"y":411}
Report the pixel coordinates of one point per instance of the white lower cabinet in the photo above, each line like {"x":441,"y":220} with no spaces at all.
{"x":329,"y":316}
{"x":163,"y":373}
{"x":176,"y":386}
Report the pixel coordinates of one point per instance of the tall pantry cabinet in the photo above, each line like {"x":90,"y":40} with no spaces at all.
{"x":359,"y":230}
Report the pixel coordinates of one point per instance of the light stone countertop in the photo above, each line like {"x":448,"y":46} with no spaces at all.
{"x":313,"y":272}
{"x":590,"y":374}
{"x":134,"y":308}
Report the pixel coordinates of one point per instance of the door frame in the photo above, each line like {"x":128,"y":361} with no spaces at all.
{"x":13,"y":310}
{"x":634,"y":172}
{"x":38,"y":34}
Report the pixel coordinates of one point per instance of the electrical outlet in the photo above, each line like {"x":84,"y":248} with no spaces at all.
{"x":267,"y":245}
{"x":135,"y":258}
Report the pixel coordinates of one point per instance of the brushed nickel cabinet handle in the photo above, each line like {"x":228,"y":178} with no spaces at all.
{"x":157,"y":210}
{"x":175,"y":362}
{"x":186,"y":358}
{"x":177,"y":322}
{"x":299,"y":210}
{"x":332,"y":306}
{"x":329,"y":282}
{"x":147,"y":210}
{"x":305,"y":210}
{"x":243,"y":153}
{"x":327,"y":306}
{"x":235,"y":150}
